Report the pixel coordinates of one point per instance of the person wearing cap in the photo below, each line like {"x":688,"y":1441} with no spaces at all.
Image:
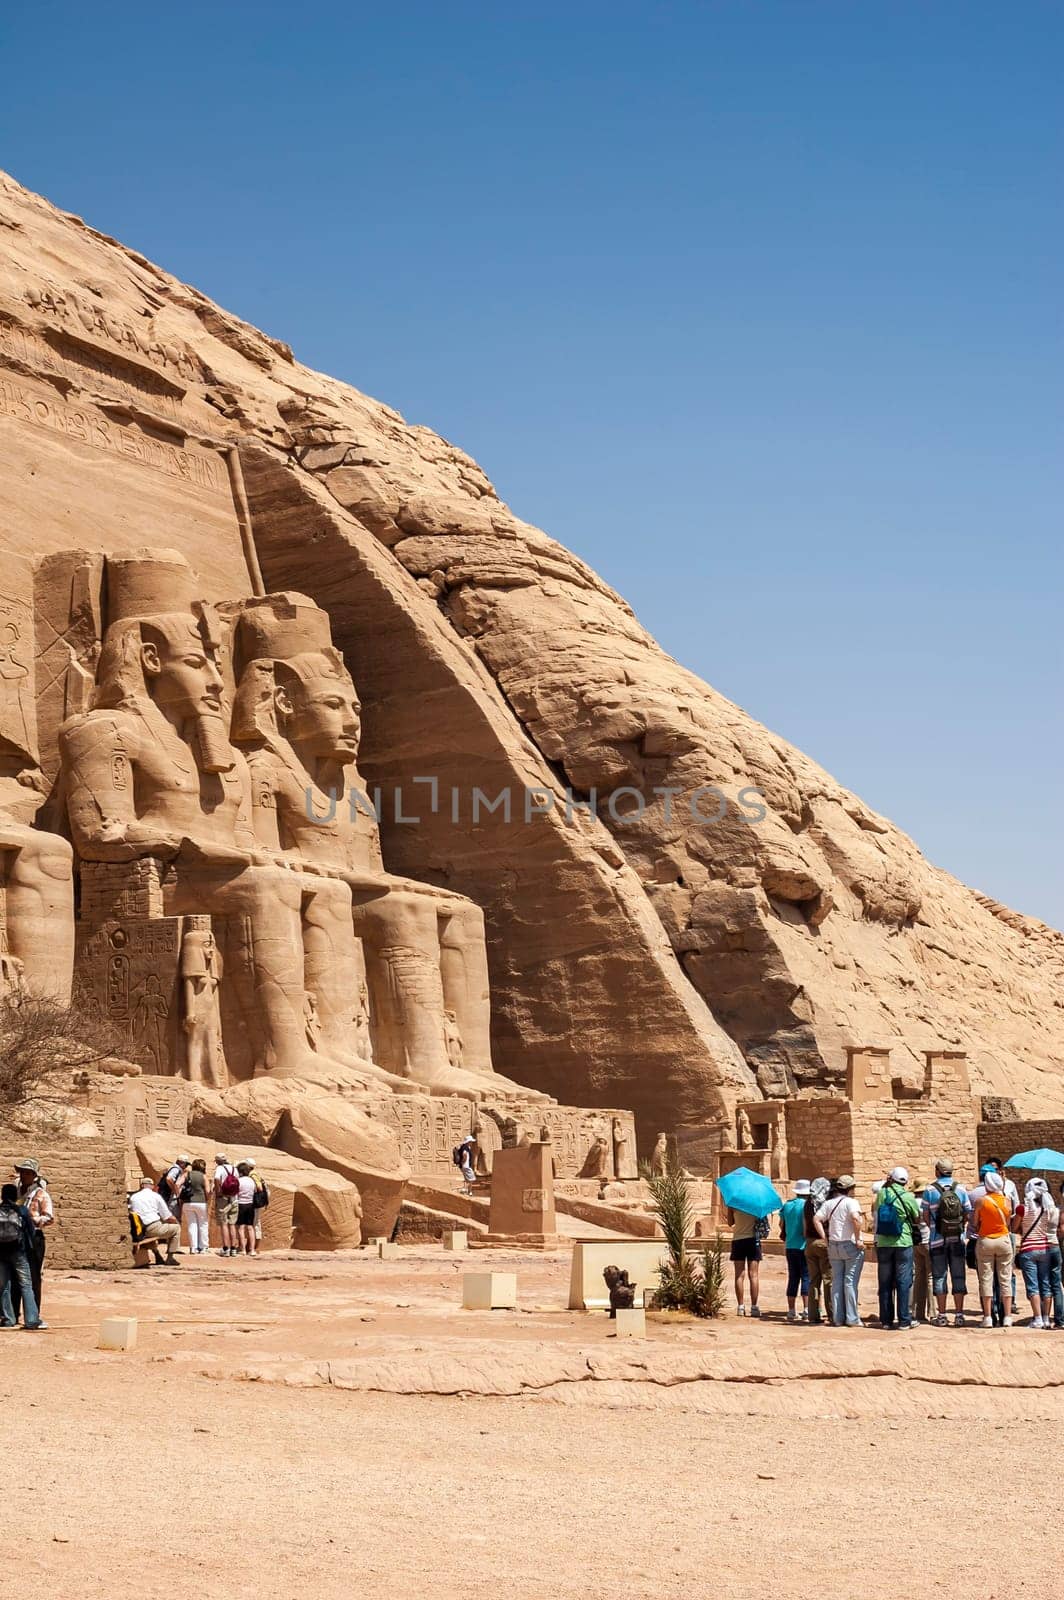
{"x":840,"y":1221}
{"x":172,"y":1183}
{"x":946,"y":1209}
{"x":792,"y":1232}
{"x":816,"y":1254}
{"x":466,"y":1151}
{"x":923,"y":1289}
{"x":991,"y":1224}
{"x":158,"y":1221}
{"x":33,"y":1194}
{"x":262,"y":1197}
{"x":226,"y":1206}
{"x":15,"y":1252}
{"x":897,"y":1228}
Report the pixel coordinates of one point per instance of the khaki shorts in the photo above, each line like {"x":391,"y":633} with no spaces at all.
{"x":226,"y":1209}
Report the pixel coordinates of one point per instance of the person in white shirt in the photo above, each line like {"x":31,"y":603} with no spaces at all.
{"x":245,"y":1219}
{"x":840,"y":1221}
{"x":158,"y":1220}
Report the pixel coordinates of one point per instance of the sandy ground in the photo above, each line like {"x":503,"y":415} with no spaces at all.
{"x":731,"y":1459}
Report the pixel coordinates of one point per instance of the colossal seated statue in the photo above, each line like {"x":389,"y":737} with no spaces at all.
{"x":296,"y":716}
{"x":150,"y":776}
{"x":36,"y":877}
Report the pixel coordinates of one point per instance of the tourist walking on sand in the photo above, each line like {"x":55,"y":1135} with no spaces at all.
{"x":792,"y":1232}
{"x":245,"y":1210}
{"x":158,"y":1221}
{"x":840,"y":1221}
{"x":16,"y":1245}
{"x":1035,"y":1224}
{"x":224,"y":1188}
{"x":946,"y":1209}
{"x":194,"y":1213}
{"x":991,"y":1222}
{"x":746,"y":1258}
{"x":33,"y":1194}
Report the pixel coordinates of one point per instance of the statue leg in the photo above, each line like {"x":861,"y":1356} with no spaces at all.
{"x":334,"y":969}
{"x":39,"y":896}
{"x":464,"y":974}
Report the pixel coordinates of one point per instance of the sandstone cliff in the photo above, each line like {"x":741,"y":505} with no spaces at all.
{"x":656,"y":956}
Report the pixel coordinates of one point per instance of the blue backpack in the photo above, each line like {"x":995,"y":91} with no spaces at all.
{"x":890,"y":1215}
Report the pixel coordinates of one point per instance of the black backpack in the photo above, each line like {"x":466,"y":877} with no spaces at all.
{"x":950,"y":1215}
{"x":457,"y":1154}
{"x":11,"y":1236}
{"x":262,"y":1195}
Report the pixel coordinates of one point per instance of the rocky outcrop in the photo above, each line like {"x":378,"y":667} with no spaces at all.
{"x":694,"y":936}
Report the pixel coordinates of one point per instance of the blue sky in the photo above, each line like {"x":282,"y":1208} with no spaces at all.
{"x":754,"y":304}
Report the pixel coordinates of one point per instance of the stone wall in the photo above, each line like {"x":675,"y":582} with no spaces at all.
{"x":87,"y":1182}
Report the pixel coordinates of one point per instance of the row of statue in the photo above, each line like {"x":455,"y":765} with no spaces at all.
{"x":205,"y":783}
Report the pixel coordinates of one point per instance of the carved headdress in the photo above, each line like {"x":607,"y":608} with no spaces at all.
{"x":149,"y":597}
{"x":279,"y":638}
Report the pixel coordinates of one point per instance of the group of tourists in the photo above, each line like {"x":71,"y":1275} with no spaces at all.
{"x":26,"y":1212}
{"x":185,"y":1194}
{"x":926,"y":1242}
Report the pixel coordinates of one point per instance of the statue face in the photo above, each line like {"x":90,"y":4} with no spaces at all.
{"x":320,"y":715}
{"x":183,"y":679}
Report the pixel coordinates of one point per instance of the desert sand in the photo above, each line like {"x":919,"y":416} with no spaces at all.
{"x":336,"y":1425}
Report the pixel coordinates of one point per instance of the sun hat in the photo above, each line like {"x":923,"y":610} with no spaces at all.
{"x":847,"y":1181}
{"x":801,"y":1186}
{"x":899,"y":1175}
{"x":28,"y":1165}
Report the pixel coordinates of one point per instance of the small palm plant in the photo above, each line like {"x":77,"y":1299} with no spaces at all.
{"x":691,"y":1283}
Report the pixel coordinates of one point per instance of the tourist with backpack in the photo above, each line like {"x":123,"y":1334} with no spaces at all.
{"x":16,"y":1245}
{"x":792,"y":1232}
{"x":462,"y":1155}
{"x":1035,"y":1224}
{"x":897,"y":1229}
{"x":946,"y":1209}
{"x":261,"y":1201}
{"x":991,"y":1224}
{"x":245,"y":1210}
{"x":840,"y":1222}
{"x":225,"y":1188}
{"x":194,"y":1207}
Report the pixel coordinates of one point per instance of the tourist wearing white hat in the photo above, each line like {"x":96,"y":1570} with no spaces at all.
{"x":33,"y":1194}
{"x":897,"y":1229}
{"x":792,"y":1232}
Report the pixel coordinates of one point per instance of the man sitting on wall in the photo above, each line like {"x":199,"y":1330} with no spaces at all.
{"x":158,"y":1221}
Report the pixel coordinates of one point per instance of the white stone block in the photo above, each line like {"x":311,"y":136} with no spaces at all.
{"x":386,"y":1250}
{"x":631,"y":1324}
{"x":456,"y":1239}
{"x":489,"y":1291}
{"x":118,"y":1333}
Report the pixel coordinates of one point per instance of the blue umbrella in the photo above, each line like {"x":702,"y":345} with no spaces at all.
{"x":748,"y":1191}
{"x":1040,"y":1160}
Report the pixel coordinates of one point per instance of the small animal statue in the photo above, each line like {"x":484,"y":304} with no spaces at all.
{"x":622,"y":1290}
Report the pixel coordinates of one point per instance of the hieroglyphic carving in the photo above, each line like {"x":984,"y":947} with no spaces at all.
{"x":131,"y":969}
{"x":85,"y":315}
{"x":41,"y":407}
{"x":71,"y":357}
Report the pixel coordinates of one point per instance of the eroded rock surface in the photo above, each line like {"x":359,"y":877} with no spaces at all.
{"x":662,"y":960}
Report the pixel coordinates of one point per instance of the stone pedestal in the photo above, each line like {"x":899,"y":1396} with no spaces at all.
{"x":117,"y":1333}
{"x":522,"y":1198}
{"x":456,"y":1239}
{"x":630,"y":1324}
{"x":489,"y":1291}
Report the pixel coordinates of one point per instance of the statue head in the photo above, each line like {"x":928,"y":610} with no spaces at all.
{"x":292,"y":681}
{"x":159,"y":646}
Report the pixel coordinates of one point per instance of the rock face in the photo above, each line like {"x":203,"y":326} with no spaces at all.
{"x":692,"y":941}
